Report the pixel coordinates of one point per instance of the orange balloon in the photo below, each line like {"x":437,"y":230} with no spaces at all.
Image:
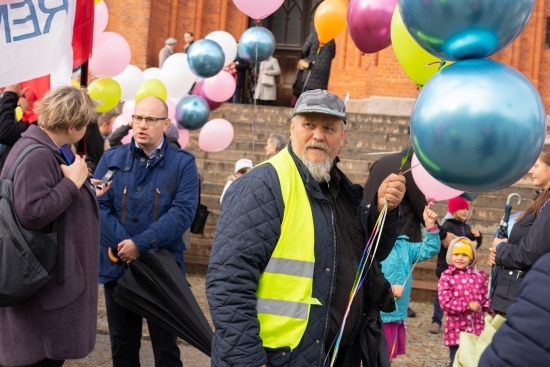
{"x":330,"y":19}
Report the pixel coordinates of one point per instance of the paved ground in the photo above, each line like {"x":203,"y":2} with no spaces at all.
{"x":423,"y":348}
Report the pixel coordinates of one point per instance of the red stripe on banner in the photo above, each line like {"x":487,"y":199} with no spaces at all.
{"x":83,"y":32}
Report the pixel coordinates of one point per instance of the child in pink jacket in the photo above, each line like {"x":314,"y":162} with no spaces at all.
{"x":462,"y":294}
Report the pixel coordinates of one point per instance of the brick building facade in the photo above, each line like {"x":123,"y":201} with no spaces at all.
{"x":147,"y":23}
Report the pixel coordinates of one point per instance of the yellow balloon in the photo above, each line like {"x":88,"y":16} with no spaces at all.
{"x":418,"y":63}
{"x":151,"y":87}
{"x":98,"y":1}
{"x":18,"y":113}
{"x":106,"y":92}
{"x":330,"y":19}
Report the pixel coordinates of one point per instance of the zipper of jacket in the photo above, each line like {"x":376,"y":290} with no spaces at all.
{"x":156,"y":206}
{"x":333,"y":278}
{"x":124,"y":197}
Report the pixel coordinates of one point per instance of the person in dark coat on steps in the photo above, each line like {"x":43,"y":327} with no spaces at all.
{"x":319,"y":58}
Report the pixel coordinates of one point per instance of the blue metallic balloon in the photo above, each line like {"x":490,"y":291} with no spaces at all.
{"x":465,"y":29}
{"x":192,"y":112}
{"x":205,"y":58}
{"x":256,"y":44}
{"x":478,"y":125}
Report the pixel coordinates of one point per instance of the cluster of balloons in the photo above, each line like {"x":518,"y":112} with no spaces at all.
{"x":477,"y":125}
{"x":111,"y":54}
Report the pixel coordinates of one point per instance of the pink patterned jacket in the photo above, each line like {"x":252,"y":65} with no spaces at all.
{"x":456,"y":289}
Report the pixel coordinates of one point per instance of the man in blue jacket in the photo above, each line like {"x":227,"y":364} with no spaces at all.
{"x":151,"y":203}
{"x":286,"y":250}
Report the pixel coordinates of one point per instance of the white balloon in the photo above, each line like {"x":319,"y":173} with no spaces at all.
{"x":177,"y":75}
{"x":129,"y":107}
{"x":151,"y":73}
{"x":130,"y":80}
{"x":227,"y":43}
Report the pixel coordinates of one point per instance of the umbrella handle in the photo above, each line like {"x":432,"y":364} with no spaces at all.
{"x":507,"y":211}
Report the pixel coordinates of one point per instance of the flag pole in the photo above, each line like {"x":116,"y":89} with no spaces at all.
{"x":84,"y":75}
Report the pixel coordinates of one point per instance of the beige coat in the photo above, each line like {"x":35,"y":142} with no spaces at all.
{"x":266,"y":89}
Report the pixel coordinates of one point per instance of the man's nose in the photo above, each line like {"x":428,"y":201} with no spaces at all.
{"x":319,"y":134}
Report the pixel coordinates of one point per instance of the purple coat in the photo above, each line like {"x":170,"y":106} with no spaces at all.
{"x":60,"y":321}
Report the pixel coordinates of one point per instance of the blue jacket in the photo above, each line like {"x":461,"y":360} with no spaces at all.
{"x":523,"y":339}
{"x":246,"y":235}
{"x":398,"y":265}
{"x":153,"y":203}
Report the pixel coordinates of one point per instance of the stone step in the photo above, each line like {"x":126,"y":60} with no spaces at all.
{"x":280,"y":116}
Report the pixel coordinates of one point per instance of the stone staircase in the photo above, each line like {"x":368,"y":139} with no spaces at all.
{"x":367,"y":137}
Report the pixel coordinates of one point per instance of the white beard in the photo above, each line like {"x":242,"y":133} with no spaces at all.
{"x":320,"y":171}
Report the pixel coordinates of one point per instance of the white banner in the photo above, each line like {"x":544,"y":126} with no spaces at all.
{"x":35,"y":38}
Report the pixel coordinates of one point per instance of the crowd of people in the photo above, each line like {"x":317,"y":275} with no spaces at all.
{"x":286,"y":249}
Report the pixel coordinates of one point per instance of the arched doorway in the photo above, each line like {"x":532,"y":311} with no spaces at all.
{"x":290,"y":25}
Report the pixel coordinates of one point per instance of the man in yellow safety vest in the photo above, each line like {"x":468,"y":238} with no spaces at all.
{"x":287,"y":248}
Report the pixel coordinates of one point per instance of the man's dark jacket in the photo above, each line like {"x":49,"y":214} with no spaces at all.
{"x":246,"y":235}
{"x":523,"y":339}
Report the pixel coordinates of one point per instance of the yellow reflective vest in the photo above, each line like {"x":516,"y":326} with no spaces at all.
{"x":284,"y":294}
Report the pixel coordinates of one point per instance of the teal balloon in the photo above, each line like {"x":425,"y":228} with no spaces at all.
{"x":465,"y":29}
{"x":192,"y":112}
{"x":256,"y":44}
{"x":478,"y":125}
{"x":205,"y":58}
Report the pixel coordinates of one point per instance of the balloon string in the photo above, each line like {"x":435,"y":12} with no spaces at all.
{"x":360,"y":276}
{"x":256,"y":77}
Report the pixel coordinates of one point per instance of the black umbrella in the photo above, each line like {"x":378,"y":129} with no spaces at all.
{"x":154,"y":287}
{"x":502,"y":232}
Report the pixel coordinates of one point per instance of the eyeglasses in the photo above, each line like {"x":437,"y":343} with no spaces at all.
{"x":151,"y":121}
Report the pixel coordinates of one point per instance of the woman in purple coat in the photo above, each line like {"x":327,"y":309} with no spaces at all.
{"x":59,"y":322}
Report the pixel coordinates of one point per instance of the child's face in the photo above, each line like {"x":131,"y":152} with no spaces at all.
{"x":460,"y":261}
{"x":461,"y":214}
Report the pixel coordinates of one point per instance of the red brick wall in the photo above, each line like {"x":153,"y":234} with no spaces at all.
{"x":147,"y":23}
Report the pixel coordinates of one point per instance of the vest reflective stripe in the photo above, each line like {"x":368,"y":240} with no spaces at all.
{"x":283,"y":308}
{"x":286,"y":285}
{"x":290,"y":267}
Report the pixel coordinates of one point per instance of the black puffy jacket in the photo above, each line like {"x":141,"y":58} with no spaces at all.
{"x":246,"y":235}
{"x":523,"y":339}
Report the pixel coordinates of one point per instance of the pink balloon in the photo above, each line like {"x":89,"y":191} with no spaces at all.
{"x":124,"y":119}
{"x":216,"y":135}
{"x":369,"y":23}
{"x":258,"y":9}
{"x":430,"y":187}
{"x":101,"y":17}
{"x":171,"y":109}
{"x":199,"y":91}
{"x":110,"y":55}
{"x":128,"y":138}
{"x":129,"y":107}
{"x":183,"y":140}
{"x":220,"y":87}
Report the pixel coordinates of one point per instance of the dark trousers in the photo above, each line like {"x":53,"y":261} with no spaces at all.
{"x":125,"y":334}
{"x":237,"y":97}
{"x":438,"y":312}
{"x":48,"y":363}
{"x":452,"y":353}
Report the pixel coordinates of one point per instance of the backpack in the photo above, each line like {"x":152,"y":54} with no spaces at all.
{"x":27,"y":258}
